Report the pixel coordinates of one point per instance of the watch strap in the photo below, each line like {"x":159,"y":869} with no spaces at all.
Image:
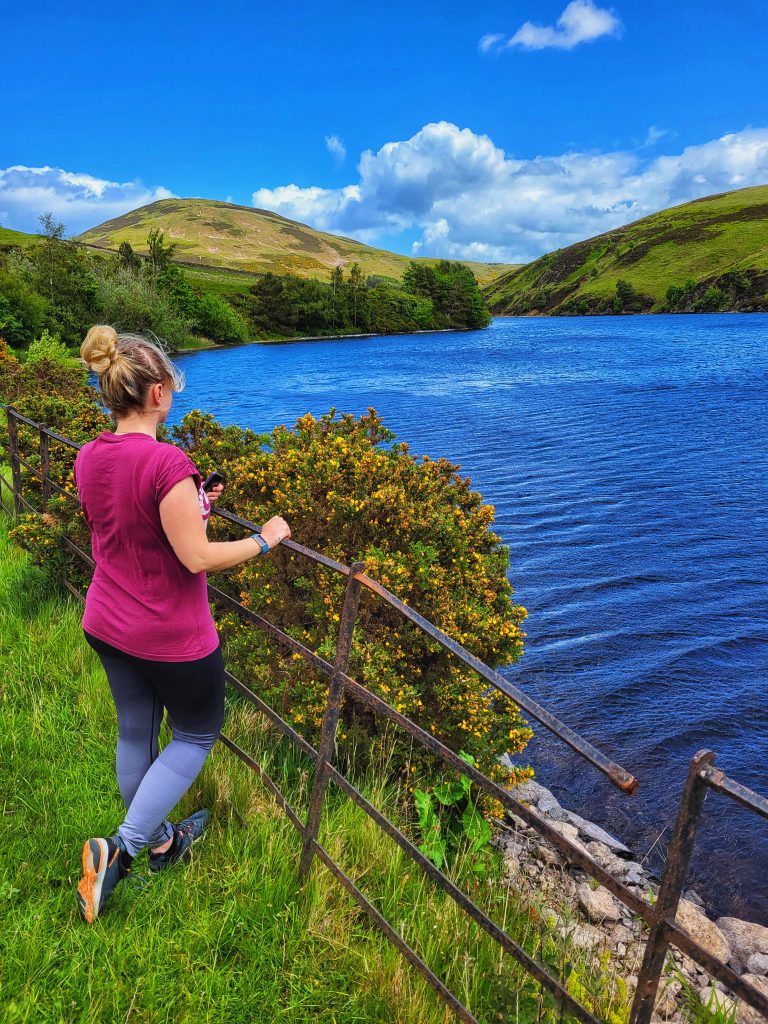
{"x":262,"y":542}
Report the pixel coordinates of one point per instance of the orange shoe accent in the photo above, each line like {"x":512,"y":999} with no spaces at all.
{"x":85,"y":885}
{"x":115,"y":855}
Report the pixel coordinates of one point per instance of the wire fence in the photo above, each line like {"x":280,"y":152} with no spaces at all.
{"x":702,"y":777}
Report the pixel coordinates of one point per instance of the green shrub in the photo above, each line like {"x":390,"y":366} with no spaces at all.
{"x":50,"y":347}
{"x":22,"y":309}
{"x":133,"y":303}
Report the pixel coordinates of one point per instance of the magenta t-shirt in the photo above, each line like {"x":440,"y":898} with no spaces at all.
{"x":142,"y":599}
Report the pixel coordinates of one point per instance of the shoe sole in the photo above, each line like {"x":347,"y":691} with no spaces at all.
{"x":89,"y":886}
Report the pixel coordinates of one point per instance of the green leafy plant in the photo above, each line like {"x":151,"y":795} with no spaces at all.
{"x":449,"y":817}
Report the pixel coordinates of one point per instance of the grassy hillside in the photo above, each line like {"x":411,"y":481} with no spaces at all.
{"x":17,"y":238}
{"x":713,"y":250}
{"x":224,"y":235}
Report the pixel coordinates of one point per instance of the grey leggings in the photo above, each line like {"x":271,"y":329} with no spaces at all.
{"x":152,"y":783}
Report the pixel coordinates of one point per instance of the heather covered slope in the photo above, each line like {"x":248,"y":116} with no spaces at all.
{"x":709,"y":254}
{"x":207,"y":232}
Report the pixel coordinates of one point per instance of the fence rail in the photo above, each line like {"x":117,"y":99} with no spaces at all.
{"x":702,"y":776}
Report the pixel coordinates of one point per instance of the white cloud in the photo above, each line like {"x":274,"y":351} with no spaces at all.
{"x":581,"y":22}
{"x":470,"y":200}
{"x":490,"y":42}
{"x":79,"y":200}
{"x":336,"y":147}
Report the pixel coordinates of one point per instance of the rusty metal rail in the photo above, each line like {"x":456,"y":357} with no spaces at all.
{"x":702,"y":775}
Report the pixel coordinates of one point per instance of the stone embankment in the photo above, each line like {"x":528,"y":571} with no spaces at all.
{"x":592,"y":921}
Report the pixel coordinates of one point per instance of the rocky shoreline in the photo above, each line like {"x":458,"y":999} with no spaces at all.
{"x":589,"y":918}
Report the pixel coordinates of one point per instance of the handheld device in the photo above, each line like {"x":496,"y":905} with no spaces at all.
{"x":212,"y":480}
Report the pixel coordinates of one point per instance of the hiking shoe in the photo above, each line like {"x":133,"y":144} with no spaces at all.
{"x":184,"y":834}
{"x":102,"y":870}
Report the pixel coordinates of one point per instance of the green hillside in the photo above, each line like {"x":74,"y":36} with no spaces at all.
{"x":705,"y":255}
{"x":223,"y":235}
{"x":17,"y":238}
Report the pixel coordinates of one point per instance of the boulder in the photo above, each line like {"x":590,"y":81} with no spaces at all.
{"x":758,"y":964}
{"x":530,"y":792}
{"x":744,"y":937}
{"x":598,"y":904}
{"x":585,"y":936}
{"x":704,"y":931}
{"x":744,"y":1013}
{"x":592,"y":831}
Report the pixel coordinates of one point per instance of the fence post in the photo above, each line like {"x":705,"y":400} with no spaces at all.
{"x":675,"y":871}
{"x":13,"y":448}
{"x":327,"y":745}
{"x":45,"y":467}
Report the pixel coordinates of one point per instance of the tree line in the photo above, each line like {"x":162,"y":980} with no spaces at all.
{"x":60,"y":286}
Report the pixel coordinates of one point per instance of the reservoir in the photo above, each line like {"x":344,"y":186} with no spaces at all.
{"x":627,"y":461}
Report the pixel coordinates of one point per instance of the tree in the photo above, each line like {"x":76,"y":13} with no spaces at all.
{"x":52,"y":231}
{"x":159,"y":254}
{"x":356,"y":289}
{"x":127,"y":258}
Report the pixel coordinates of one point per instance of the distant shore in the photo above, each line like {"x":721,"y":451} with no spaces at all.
{"x":316,"y":337}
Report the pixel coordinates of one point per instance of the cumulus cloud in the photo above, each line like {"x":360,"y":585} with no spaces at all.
{"x":468,"y":199}
{"x":336,"y":147}
{"x":79,"y":200}
{"x":581,"y":22}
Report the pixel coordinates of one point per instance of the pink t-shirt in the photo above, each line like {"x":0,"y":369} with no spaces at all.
{"x":141,"y":600}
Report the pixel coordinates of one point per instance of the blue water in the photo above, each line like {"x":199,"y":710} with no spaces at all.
{"x":627,"y":461}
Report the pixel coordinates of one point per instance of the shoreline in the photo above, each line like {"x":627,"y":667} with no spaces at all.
{"x":592,"y":920}
{"x":322,"y":337}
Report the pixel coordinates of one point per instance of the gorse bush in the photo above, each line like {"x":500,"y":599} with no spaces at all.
{"x":419,"y":529}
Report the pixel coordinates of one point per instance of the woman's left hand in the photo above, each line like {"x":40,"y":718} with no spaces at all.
{"x":215,"y":492}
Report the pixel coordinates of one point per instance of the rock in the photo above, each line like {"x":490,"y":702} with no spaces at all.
{"x":666,"y":1000}
{"x":704,"y":931}
{"x":592,"y":831}
{"x":600,"y":853}
{"x":757,"y":963}
{"x":548,"y":856}
{"x":569,"y":831}
{"x":511,"y":867}
{"x":693,"y":897}
{"x":715,"y":1000}
{"x":744,"y":937}
{"x":530,"y":792}
{"x":583,"y":935}
{"x":598,"y":904}
{"x":634,"y":878}
{"x":620,"y":933}
{"x":744,"y":1013}
{"x":547,"y":803}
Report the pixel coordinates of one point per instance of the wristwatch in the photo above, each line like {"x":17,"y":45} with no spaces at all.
{"x":262,"y":542}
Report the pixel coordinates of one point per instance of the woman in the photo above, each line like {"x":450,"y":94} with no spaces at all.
{"x":146,"y":613}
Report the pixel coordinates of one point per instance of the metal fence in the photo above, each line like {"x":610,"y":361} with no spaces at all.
{"x":702,"y":776}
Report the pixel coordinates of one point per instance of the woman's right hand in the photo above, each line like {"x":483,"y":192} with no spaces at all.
{"x":275,"y":530}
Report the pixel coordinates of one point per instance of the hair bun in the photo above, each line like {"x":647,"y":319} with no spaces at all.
{"x":99,"y":349}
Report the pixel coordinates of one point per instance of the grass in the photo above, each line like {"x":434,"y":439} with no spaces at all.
{"x":231,"y":936}
{"x":700,"y":240}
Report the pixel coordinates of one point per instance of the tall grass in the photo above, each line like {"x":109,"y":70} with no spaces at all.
{"x":231,"y":936}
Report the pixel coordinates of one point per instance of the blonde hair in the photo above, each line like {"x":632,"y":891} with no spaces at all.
{"x":127,"y":366}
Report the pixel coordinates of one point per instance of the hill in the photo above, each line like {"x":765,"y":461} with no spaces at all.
{"x":705,"y":255}
{"x":225,"y":236}
{"x":18,"y":239}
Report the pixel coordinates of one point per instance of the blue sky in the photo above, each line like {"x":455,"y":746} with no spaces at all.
{"x":493,"y":131}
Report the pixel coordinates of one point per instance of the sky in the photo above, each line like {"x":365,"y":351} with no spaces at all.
{"x":493,"y":131}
